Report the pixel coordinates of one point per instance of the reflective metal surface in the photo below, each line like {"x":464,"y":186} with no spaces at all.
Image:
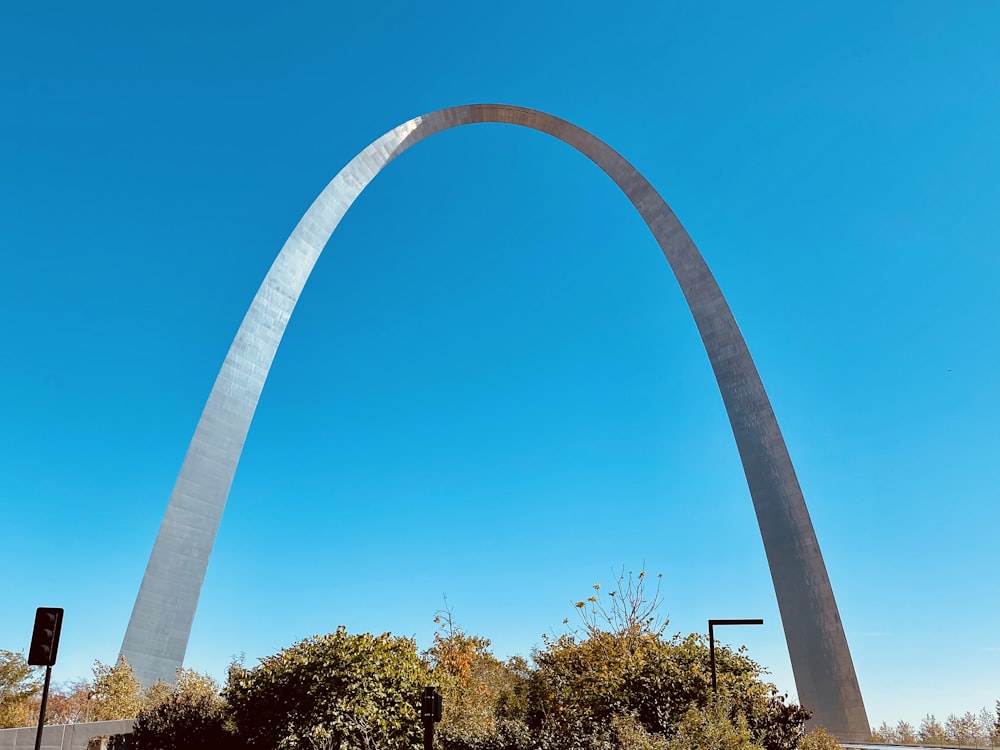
{"x":158,"y":631}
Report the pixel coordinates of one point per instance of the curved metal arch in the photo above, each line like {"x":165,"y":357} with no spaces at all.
{"x":160,"y":625}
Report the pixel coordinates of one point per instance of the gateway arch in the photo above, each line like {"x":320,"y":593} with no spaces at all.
{"x":160,"y":625}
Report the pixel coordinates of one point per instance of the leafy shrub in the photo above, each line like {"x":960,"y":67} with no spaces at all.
{"x":485,"y":697}
{"x":182,"y":721}
{"x":18,"y":684}
{"x":619,"y":683}
{"x":818,"y":739}
{"x":116,"y":691}
{"x":338,"y":690}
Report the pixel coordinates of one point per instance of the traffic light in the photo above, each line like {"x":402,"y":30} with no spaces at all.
{"x":430,"y":712}
{"x":430,"y":705}
{"x":45,"y":636}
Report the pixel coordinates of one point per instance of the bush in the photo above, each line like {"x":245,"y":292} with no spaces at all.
{"x":620,"y":682}
{"x":332,"y":691}
{"x":818,"y":739}
{"x":117,"y":692}
{"x":712,"y":727}
{"x":182,"y":721}
{"x":640,"y":681}
{"x":485,"y":698}
{"x":18,"y":685}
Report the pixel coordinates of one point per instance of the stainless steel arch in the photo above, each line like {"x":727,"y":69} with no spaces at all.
{"x":158,"y":630}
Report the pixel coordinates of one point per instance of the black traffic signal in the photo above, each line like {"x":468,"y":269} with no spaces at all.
{"x":45,"y":636}
{"x":430,"y":705}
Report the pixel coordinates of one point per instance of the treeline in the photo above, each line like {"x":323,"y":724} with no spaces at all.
{"x":967,"y":730}
{"x":616,"y":682}
{"x":112,"y":693}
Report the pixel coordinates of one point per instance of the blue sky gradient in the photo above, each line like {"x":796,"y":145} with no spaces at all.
{"x":491,"y":389}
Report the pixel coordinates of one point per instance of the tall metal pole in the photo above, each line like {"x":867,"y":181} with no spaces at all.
{"x":42,"y":653}
{"x":711,"y":655}
{"x":711,"y":643}
{"x":428,"y":735}
{"x":41,"y":711}
{"x":430,"y":712}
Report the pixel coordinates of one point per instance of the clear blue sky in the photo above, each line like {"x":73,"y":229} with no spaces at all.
{"x":492,"y":389}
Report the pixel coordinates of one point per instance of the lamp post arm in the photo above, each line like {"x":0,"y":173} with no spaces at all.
{"x":711,"y":642}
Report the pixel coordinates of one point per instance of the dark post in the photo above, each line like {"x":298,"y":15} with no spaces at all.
{"x":430,"y":712}
{"x":44,"y":645}
{"x":711,"y":654}
{"x":711,"y":642}
{"x":41,"y":710}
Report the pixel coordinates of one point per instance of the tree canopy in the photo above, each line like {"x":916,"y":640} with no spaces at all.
{"x":614,"y":681}
{"x":331,"y":691}
{"x":117,"y":693}
{"x":188,"y":715}
{"x":18,"y":684}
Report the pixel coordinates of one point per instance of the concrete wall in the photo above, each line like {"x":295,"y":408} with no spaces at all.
{"x":62,"y":736}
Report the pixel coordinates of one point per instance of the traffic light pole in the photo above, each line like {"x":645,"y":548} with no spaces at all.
{"x":41,"y":711}
{"x":428,"y":735}
{"x":42,"y":653}
{"x":430,"y":712}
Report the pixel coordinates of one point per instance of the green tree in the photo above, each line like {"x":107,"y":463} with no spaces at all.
{"x":883,"y":733}
{"x":818,"y":739}
{"x":964,"y":730}
{"x":117,"y":693}
{"x":712,"y":727}
{"x":188,"y":715}
{"x":586,"y":683}
{"x":18,"y":684}
{"x":931,"y":732}
{"x":69,"y":703}
{"x":969,"y":729}
{"x":186,"y":682}
{"x":986,"y":720}
{"x":905,"y":734}
{"x":619,"y":666}
{"x":628,"y":732}
{"x":483,"y":695}
{"x":331,"y":691}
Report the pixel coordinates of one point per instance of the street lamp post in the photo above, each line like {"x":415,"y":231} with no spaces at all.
{"x":711,"y":642}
